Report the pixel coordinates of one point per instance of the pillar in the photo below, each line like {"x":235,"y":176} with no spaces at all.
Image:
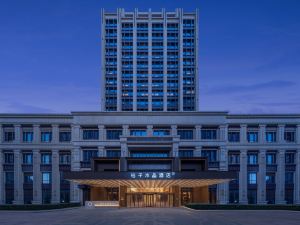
{"x":261,"y":184}
{"x":125,"y":131}
{"x":280,"y":178}
{"x":2,"y":185}
{"x":18,"y":178}
{"x":243,"y":133}
{"x":280,"y":135}
{"x":177,"y":195}
{"x":223,"y":188}
{"x":243,"y":182}
{"x":1,"y":133}
{"x":198,"y":132}
{"x":36,"y":133}
{"x":76,"y":132}
{"x":298,"y":134}
{"x":17,"y":133}
{"x":101,"y":132}
{"x":149,"y":130}
{"x":262,"y":133}
{"x":174,"y":130}
{"x":101,"y":152}
{"x":297,"y":178}
{"x":197,"y":152}
{"x":175,"y":147}
{"x":75,"y":166}
{"x":201,"y":195}
{"x":37,"y":179}
{"x":55,"y":177}
{"x":223,"y":133}
{"x":122,"y":196}
{"x":55,"y":133}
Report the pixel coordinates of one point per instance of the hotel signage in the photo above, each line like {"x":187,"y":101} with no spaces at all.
{"x":152,"y":175}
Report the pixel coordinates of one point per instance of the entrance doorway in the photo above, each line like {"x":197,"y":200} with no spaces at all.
{"x":159,"y":200}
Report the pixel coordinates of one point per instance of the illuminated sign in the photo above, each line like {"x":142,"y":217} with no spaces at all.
{"x":152,"y":175}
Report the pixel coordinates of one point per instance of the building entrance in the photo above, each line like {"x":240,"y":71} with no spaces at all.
{"x":158,"y":200}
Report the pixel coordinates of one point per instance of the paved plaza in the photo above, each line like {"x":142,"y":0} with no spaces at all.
{"x":148,"y":216}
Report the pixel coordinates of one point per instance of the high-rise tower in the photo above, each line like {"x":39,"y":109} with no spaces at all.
{"x":149,"y":61}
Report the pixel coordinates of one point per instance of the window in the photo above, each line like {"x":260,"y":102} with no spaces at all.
{"x":27,"y":158}
{"x":234,"y":136}
{"x":210,"y":154}
{"x":161,"y":132}
{"x":142,"y":154}
{"x":252,"y":137}
{"x":138,"y":133}
{"x":28,"y":178}
{"x":290,"y":158}
{"x":252,"y":178}
{"x":289,"y":177}
{"x":289,"y":136}
{"x":185,"y":134}
{"x":234,"y":158}
{"x":65,"y":158}
{"x":270,"y":178}
{"x":9,"y":158}
{"x":46,"y":158}
{"x":252,"y":159}
{"x":46,"y":136}
{"x":9,"y":177}
{"x":65,"y":136}
{"x":271,"y":158}
{"x":9,"y":136}
{"x":113,"y":134}
{"x":89,"y":154}
{"x":65,"y":195}
{"x":46,"y":196}
{"x":113,"y":153}
{"x":252,"y":196}
{"x":271,"y":136}
{"x":90,"y":134}
{"x":27,"y":136}
{"x":234,"y":196}
{"x":209,"y":134}
{"x":186,"y":153}
{"x":46,"y":178}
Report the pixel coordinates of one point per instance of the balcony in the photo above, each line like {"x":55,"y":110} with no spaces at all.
{"x":213,"y":164}
{"x":85,"y":164}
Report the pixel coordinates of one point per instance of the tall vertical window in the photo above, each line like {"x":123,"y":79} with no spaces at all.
{"x":113,"y":134}
{"x":46,"y":136}
{"x":9,"y":136}
{"x":27,"y":136}
{"x":289,"y":136}
{"x":234,"y":158}
{"x":271,"y":136}
{"x":90,"y":134}
{"x":271,"y":158}
{"x":9,"y":158}
{"x":270,"y":178}
{"x":9,"y":177}
{"x":45,"y":158}
{"x":89,"y":154}
{"x":234,"y":136}
{"x":252,"y":136}
{"x":186,"y":153}
{"x":290,"y":158}
{"x":46,"y":178}
{"x":185,"y":134}
{"x":210,"y":154}
{"x":65,"y":158}
{"x":289,"y":177}
{"x":252,"y":178}
{"x":65,"y":136}
{"x":27,"y":158}
{"x":209,"y":134}
{"x":28,"y":178}
{"x":252,"y":159}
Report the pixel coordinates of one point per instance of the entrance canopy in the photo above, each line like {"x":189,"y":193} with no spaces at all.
{"x":150,"y":179}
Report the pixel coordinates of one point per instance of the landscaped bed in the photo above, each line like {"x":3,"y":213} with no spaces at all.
{"x":242,"y":207}
{"x":38,"y":207}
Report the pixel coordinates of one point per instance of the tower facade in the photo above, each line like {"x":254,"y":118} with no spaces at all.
{"x":149,"y":61}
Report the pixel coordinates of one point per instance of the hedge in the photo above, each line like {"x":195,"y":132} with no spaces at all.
{"x":39,"y":207}
{"x":198,"y":206}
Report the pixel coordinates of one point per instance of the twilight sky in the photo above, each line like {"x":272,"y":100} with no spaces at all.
{"x":249,"y":54}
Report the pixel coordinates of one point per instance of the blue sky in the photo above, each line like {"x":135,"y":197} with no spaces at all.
{"x":249,"y":54}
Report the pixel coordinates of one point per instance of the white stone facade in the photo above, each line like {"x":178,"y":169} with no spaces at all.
{"x":275,"y":153}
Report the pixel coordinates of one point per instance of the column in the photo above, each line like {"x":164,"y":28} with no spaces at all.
{"x":165,"y":78}
{"x":180,"y":36}
{"x":223,"y":133}
{"x":55,"y":133}
{"x":243,"y":182}
{"x":223,"y":188}
{"x":198,"y":132}
{"x":297,"y":178}
{"x":101,"y":152}
{"x":18,"y":178}
{"x":37,"y":179}
{"x":175,"y":147}
{"x":1,"y":133}
{"x":36,"y":133}
{"x":149,"y":130}
{"x":134,"y":63}
{"x":280,"y":135}
{"x":280,"y":178}
{"x":124,"y":149}
{"x":174,"y":130}
{"x":150,"y":61}
{"x":243,"y":134}
{"x":119,"y":59}
{"x":197,"y":152}
{"x":125,"y":131}
{"x":261,"y":184}
{"x":75,"y":166}
{"x":2,"y":188}
{"x":298,"y":134}
{"x":76,"y":132}
{"x":262,"y":133}
{"x":55,"y":177}
{"x":101,"y":132}
{"x":17,"y":133}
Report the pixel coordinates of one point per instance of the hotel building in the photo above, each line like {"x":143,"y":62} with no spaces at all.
{"x":150,"y":146}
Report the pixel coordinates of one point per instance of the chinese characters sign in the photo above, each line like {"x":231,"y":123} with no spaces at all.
{"x":152,"y":175}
